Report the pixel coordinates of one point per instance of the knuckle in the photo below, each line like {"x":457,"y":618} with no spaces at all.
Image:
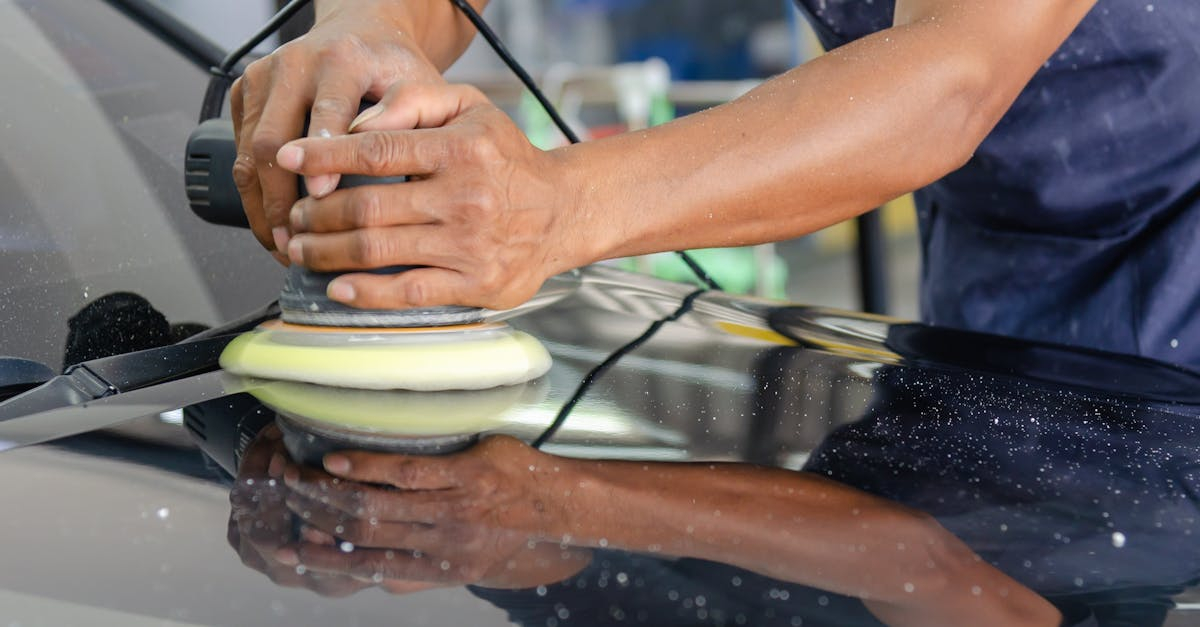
{"x":368,"y":248}
{"x":472,"y":572}
{"x":244,"y":174}
{"x":256,"y":71}
{"x":480,"y":200}
{"x":434,"y":153}
{"x":365,"y":207}
{"x":489,"y":281}
{"x":400,"y":474}
{"x":264,"y":144}
{"x":341,"y":51}
{"x":484,"y":150}
{"x":364,"y":503}
{"x":415,"y":293}
{"x":359,"y":532}
{"x":331,"y":106}
{"x":375,"y":152}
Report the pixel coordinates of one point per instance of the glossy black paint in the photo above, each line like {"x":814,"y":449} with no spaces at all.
{"x":1072,"y":471}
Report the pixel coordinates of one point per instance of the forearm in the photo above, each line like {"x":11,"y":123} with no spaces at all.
{"x":440,"y":31}
{"x":828,"y":140}
{"x":794,"y":527}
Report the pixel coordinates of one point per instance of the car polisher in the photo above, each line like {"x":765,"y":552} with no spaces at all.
{"x":325,"y":342}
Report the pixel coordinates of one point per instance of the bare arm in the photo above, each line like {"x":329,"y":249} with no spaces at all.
{"x":792,"y":526}
{"x":866,"y":123}
{"x":439,"y":30}
{"x":492,"y":217}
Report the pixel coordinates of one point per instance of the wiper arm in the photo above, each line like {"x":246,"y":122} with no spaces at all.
{"x":108,"y":376}
{"x":111,"y":376}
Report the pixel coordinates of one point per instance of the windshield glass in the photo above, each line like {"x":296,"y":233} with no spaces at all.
{"x":91,"y":164}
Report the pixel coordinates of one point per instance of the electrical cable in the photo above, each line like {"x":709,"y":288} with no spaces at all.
{"x":268,"y":29}
{"x":515,"y":66}
{"x":223,"y":73}
{"x":592,"y":376}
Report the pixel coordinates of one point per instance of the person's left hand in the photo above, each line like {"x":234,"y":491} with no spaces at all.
{"x":488,"y":214}
{"x":484,"y":516}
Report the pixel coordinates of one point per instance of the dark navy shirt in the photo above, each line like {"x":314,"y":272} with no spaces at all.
{"x":1078,"y":219}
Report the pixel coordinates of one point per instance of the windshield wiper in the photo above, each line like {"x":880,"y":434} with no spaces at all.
{"x":106,"y":377}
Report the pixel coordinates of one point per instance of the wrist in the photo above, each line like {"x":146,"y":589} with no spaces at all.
{"x":583,"y":235}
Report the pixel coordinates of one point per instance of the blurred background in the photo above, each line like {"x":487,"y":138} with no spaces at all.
{"x":616,"y":65}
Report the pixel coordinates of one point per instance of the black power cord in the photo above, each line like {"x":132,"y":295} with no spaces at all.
{"x":224,"y":73}
{"x":592,"y":376}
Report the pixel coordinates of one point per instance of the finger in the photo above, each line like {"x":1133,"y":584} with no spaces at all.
{"x":408,"y":587}
{"x":328,"y":523}
{"x":282,"y":120}
{"x":401,"y":471}
{"x":420,"y":287}
{"x":368,"y":206}
{"x":256,"y":460}
{"x":377,"y":153}
{"x":361,"y":501}
{"x":334,"y":106}
{"x":316,"y":536}
{"x":417,"y":105}
{"x":384,"y":564}
{"x":373,"y":247}
{"x":245,"y":175}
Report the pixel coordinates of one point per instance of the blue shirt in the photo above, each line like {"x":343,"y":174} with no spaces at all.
{"x":1078,"y":219}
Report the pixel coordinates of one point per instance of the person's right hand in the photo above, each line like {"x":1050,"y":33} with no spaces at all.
{"x":354,"y":52}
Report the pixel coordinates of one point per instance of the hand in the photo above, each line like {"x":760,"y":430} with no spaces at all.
{"x":352,"y":52}
{"x":260,"y":524}
{"x":488,"y":215}
{"x":477,"y":517}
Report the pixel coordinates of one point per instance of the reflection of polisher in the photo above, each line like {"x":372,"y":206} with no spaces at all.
{"x":317,"y":419}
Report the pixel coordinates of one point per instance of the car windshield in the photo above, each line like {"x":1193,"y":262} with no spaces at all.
{"x":93,"y":199}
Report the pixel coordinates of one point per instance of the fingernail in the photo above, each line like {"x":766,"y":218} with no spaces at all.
{"x":290,"y":157}
{"x":296,"y":218}
{"x":287,"y":557}
{"x":291,"y":476}
{"x":275,"y":470}
{"x":316,"y":536}
{"x":295,"y":251}
{"x":365,"y":116}
{"x":344,"y":292}
{"x":321,"y":185}
{"x":337,"y":463}
{"x":282,"y":237}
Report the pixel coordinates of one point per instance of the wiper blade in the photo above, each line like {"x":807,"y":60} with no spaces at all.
{"x":60,"y":407}
{"x":108,"y":376}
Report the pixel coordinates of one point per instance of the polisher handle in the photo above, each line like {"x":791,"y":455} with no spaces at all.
{"x":208,"y":176}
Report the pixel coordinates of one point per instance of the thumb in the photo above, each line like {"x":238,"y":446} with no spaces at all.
{"x":409,"y":106}
{"x":419,"y":287}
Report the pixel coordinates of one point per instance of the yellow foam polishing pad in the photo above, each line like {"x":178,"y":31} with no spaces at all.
{"x":397,"y":412}
{"x":471,"y":357}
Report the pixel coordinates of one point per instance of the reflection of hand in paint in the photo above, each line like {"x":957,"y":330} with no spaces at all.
{"x":410,"y":523}
{"x":468,"y":513}
{"x":260,"y":523}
